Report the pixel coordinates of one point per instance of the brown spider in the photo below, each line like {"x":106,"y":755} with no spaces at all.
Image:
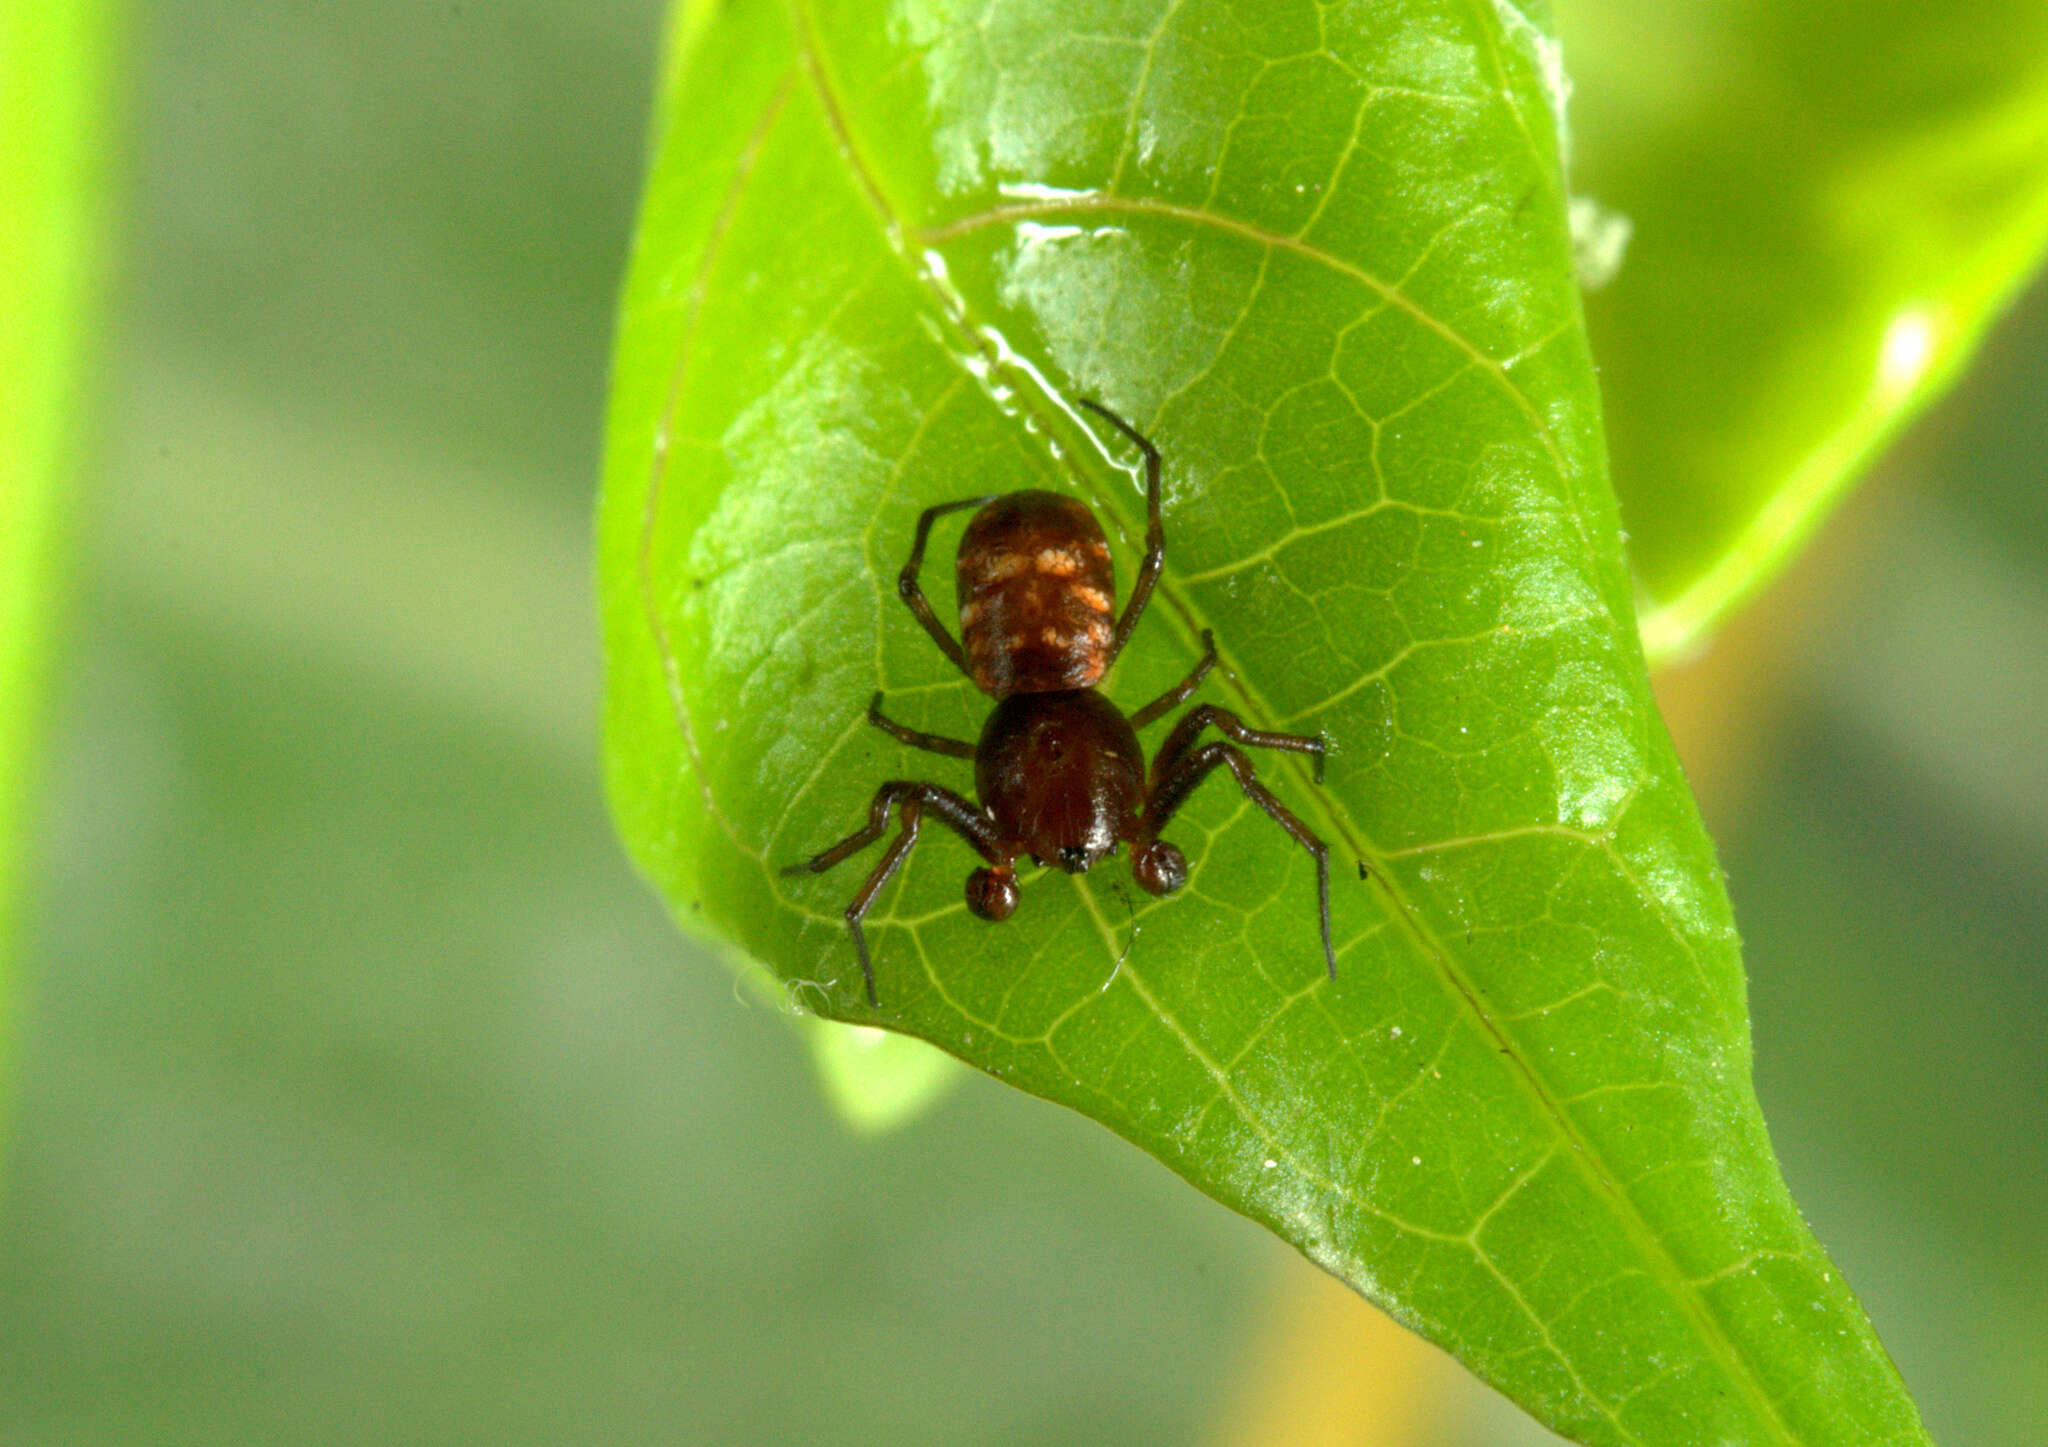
{"x":1058,"y":770}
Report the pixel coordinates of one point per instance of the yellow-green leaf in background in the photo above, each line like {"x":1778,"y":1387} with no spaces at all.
{"x":1829,"y":202}
{"x":53,"y":91}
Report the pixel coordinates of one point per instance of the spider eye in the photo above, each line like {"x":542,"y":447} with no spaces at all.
{"x":1160,"y":867}
{"x":992,"y":893}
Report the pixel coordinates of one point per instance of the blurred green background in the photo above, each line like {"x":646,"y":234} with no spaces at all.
{"x":362,"y":1094}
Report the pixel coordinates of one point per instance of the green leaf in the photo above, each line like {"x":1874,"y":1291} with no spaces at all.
{"x":1830,"y":202}
{"x":873,"y":1079}
{"x":53,"y":69}
{"x":1323,"y":259}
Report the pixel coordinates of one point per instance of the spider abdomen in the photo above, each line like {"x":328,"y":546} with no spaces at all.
{"x":1037,"y":595}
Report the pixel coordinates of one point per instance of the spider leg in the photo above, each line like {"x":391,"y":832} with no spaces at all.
{"x":1178,"y":771}
{"x":936,"y":743}
{"x":911,"y":800}
{"x":1155,"y":532}
{"x":912,"y":594}
{"x":1200,"y":717}
{"x":1177,"y":695}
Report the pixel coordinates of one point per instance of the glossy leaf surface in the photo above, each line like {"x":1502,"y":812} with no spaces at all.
{"x":1829,"y":202}
{"x":1322,"y":258}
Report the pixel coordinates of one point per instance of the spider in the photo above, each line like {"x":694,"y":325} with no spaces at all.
{"x":1058,"y":770}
